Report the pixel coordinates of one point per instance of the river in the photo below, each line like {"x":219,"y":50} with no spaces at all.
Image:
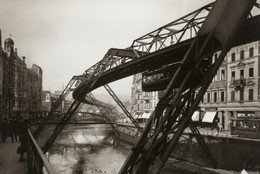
{"x":87,"y":149}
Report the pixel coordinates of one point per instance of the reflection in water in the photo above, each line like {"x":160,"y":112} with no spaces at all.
{"x":88,"y":151}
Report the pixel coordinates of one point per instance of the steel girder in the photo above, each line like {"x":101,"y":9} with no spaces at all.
{"x":153,"y":149}
{"x":121,"y":105}
{"x":68,"y":115}
{"x":170,"y":34}
{"x":59,"y":127}
{"x":141,"y":55}
{"x":73,"y":83}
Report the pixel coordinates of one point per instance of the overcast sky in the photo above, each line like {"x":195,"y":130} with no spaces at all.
{"x":66,"y":37}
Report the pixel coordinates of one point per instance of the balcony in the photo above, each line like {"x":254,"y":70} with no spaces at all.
{"x":238,"y":83}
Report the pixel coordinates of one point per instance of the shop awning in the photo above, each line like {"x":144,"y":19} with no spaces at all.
{"x":145,"y":115}
{"x":209,"y":117}
{"x":195,"y":116}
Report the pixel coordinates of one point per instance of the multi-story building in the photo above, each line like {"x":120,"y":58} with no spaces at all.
{"x":46,"y":101}
{"x":20,"y":87}
{"x":28,"y":87}
{"x":7,"y":78}
{"x":234,"y":91}
{"x":143,"y":102}
{"x":54,"y":98}
{"x":1,"y":77}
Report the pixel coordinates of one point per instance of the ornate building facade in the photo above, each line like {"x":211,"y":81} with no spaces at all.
{"x":20,"y":87}
{"x":7,"y":78}
{"x":235,"y":90}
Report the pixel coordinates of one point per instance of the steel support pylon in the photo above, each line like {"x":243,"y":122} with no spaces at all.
{"x":173,"y":112}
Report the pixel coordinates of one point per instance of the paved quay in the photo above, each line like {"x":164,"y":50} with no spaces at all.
{"x":9,"y":159}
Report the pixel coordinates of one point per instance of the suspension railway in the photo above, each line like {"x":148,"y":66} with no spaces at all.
{"x":180,"y":53}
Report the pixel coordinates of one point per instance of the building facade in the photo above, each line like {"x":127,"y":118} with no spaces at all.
{"x":46,"y":101}
{"x":27,"y":88}
{"x":20,"y":87}
{"x":7,"y":79}
{"x":143,"y":102}
{"x":235,"y":90}
{"x":233,"y":93}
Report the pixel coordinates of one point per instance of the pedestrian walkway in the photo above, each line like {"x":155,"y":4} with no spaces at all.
{"x":9,"y":159}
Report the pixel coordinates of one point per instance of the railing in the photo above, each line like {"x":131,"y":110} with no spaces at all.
{"x":37,"y":162}
{"x":240,"y":82}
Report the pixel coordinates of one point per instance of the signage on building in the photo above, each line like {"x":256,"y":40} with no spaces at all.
{"x":48,"y":98}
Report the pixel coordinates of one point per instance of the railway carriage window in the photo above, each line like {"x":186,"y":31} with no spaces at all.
{"x":245,"y":124}
{"x":251,"y":124}
{"x":239,"y":123}
{"x":149,"y":79}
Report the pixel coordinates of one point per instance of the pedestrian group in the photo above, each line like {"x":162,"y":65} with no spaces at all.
{"x":15,"y":129}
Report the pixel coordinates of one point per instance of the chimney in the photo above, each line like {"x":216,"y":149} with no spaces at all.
{"x":24,"y":59}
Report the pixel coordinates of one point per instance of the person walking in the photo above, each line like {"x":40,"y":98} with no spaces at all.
{"x":219,"y":127}
{"x":4,"y":129}
{"x":12,"y":127}
{"x":23,"y":134}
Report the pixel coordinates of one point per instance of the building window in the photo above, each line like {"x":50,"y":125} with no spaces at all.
{"x":242,"y":54}
{"x":251,"y":72}
{"x":147,"y":105}
{"x":233,"y":57}
{"x":251,"y":94}
{"x":232,"y":95}
{"x":251,"y":52}
{"x":241,"y":95}
{"x":215,"y":96}
{"x":208,"y":97}
{"x":241,"y":73}
{"x":223,"y":75}
{"x":233,"y":75}
{"x":222,"y":95}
